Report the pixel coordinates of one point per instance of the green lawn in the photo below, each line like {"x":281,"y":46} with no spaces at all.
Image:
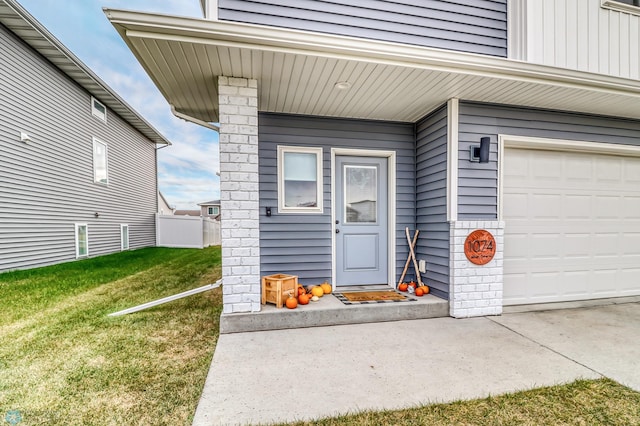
{"x":63,"y":361}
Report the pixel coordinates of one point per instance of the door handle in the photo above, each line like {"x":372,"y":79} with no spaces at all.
{"x":337,"y":231}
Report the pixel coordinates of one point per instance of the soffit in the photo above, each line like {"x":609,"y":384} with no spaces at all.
{"x":23,"y":25}
{"x":297,"y":72}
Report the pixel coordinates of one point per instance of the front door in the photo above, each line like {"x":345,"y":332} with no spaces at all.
{"x":361,"y":220}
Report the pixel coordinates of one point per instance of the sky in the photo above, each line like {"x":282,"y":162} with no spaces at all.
{"x":187,"y":169}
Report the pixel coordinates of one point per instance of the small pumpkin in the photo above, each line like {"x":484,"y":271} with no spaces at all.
{"x":425,"y":289}
{"x":326,"y":287}
{"x":403,"y":286}
{"x":291,"y":302}
{"x":303,"y":299}
{"x":419,"y":292}
{"x":317,"y":291}
{"x":412,"y":284}
{"x":301,"y":290}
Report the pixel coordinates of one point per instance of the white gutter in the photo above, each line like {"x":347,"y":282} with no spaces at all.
{"x":194,"y":120}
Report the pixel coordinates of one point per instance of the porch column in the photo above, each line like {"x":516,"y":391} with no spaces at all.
{"x":475,"y":290}
{"x":239,"y":201}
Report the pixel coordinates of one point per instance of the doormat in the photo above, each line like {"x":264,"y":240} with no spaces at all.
{"x":376,"y":296}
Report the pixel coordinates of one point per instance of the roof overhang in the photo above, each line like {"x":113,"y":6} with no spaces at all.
{"x":297,"y":72}
{"x":20,"y":22}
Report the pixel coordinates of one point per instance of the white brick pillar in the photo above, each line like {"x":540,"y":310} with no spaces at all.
{"x":239,"y":205}
{"x":475,"y":290}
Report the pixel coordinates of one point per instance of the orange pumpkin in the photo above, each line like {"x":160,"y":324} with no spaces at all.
{"x":419,"y":292}
{"x":403,"y":287}
{"x":301,"y":290}
{"x":303,"y":299}
{"x":291,"y":302}
{"x":326,"y":287}
{"x":412,"y":284}
{"x":425,"y":289}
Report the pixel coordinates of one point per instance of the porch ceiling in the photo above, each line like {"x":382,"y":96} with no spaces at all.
{"x":297,"y":72}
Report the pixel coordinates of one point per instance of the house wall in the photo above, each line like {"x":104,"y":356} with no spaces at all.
{"x":477,"y":26}
{"x":578,"y":34}
{"x":47,"y":185}
{"x":431,"y":199}
{"x":478,"y":183}
{"x":300,"y":244}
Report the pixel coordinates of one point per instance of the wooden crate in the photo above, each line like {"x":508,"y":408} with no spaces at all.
{"x":275,"y":288}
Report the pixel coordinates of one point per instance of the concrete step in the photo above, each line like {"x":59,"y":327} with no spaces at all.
{"x":330,"y":311}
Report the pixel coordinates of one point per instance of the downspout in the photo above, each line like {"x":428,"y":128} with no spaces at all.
{"x":194,"y":120}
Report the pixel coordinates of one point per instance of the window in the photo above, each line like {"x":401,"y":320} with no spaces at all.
{"x":100,"y":162}
{"x":124,"y":237}
{"x":82,"y":240}
{"x":629,"y":6}
{"x":299,"y":180}
{"x":98,"y":109}
{"x":214,"y":210}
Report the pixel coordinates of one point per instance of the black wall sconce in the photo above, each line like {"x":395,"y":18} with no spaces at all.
{"x":480,"y":153}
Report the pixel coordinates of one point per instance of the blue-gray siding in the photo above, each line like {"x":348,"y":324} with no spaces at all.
{"x":478,"y":183}
{"x":300,"y":244}
{"x":476,"y":26}
{"x":431,"y":199}
{"x":47,"y":185}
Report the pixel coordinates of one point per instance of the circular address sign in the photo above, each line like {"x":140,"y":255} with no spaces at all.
{"x":480,"y":247}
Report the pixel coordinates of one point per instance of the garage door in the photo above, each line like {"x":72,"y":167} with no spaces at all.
{"x":572,"y":226}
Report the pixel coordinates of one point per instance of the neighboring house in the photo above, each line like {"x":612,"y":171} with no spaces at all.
{"x":196,"y":213}
{"x":210,"y":209}
{"x":328,"y":109}
{"x":77,"y":164}
{"x":163,"y":205}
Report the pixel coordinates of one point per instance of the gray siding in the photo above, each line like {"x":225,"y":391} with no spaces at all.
{"x":476,"y":26}
{"x":478,"y":183}
{"x":300,"y":244}
{"x":431,"y":199}
{"x":47,"y":185}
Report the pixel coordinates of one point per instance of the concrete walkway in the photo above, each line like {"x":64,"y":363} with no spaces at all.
{"x":287,"y":375}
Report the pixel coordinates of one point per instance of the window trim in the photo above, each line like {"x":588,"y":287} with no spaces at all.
{"x":124,"y":226}
{"x":77,"y":234}
{"x":216,"y":210}
{"x":282,"y":149}
{"x":96,"y":113}
{"x":106,"y":161}
{"x":620,"y":7}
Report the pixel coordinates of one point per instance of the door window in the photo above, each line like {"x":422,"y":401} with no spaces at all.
{"x":360,"y":194}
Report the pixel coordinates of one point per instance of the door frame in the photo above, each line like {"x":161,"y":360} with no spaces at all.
{"x":391,"y":206}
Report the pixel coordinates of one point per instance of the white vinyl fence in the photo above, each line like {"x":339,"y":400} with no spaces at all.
{"x":186,"y":231}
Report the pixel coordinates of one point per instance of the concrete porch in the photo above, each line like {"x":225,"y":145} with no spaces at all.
{"x":330,"y":311}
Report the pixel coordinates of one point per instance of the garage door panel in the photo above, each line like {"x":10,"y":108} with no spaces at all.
{"x":573,"y":237}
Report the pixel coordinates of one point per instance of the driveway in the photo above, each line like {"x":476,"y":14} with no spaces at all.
{"x":287,"y":375}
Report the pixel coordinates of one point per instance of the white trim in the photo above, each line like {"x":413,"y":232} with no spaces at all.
{"x":96,"y":113}
{"x":106,"y":160}
{"x":209,"y":9}
{"x":452,"y":159}
{"x":547,"y":144}
{"x":517,"y":29}
{"x":78,"y":225}
{"x":391,"y":206}
{"x":620,"y":7}
{"x":282,"y":149}
{"x":124,"y":226}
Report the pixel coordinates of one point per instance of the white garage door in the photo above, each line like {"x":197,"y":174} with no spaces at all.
{"x":572,"y":226}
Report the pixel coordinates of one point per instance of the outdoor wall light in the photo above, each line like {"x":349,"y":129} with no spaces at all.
{"x":24,"y":137}
{"x":480,"y":153}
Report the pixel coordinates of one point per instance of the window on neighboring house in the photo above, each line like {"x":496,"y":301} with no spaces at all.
{"x":82,"y":240}
{"x":214,"y":211}
{"x":98,"y":109}
{"x":100,"y":162}
{"x":299,"y":180}
{"x":629,"y":6}
{"x":124,"y":237}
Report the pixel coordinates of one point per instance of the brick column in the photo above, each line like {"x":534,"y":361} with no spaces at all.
{"x":475,"y":290}
{"x":239,"y":205}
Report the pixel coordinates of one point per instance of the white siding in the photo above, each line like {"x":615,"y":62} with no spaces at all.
{"x":576,"y":34}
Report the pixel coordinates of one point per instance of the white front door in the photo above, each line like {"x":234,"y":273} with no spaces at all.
{"x":572,"y":226}
{"x":361,"y":222}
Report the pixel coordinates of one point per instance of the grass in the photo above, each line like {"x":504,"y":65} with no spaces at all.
{"x":63,"y":361}
{"x":584,"y":402}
